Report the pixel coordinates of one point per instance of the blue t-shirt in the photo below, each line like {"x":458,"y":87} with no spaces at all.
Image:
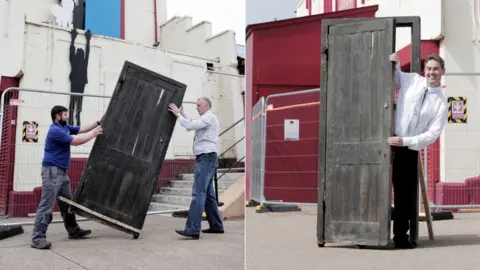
{"x":57,"y":145}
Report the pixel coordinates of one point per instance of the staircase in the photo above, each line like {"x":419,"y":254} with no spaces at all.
{"x":178,"y":194}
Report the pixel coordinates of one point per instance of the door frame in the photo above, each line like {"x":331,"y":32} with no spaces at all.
{"x":413,"y":22}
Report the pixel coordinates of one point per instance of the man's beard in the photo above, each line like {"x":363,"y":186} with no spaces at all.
{"x":62,"y":122}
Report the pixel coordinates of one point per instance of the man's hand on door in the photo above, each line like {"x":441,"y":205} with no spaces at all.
{"x":395,"y":141}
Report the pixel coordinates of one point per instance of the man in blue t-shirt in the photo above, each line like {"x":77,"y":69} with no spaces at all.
{"x":55,"y":181}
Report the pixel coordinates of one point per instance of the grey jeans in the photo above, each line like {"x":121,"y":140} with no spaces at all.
{"x":55,"y":182}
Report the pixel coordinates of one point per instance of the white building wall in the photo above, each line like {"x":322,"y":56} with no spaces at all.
{"x":461,"y":51}
{"x":140,"y":20}
{"x":12,"y":38}
{"x":317,"y":7}
{"x":430,"y":12}
{"x":46,"y":66}
{"x":178,"y":34}
{"x":139,"y":26}
{"x":457,"y":24}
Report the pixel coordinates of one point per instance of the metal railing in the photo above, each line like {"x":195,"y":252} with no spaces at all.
{"x":33,"y":108}
{"x":229,"y":169}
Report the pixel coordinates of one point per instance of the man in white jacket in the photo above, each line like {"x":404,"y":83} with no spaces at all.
{"x":420,"y":116}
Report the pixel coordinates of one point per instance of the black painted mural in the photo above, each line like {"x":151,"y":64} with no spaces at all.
{"x":78,"y":76}
{"x":79,"y":14}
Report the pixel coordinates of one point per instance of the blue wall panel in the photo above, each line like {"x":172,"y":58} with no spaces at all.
{"x":102,"y":17}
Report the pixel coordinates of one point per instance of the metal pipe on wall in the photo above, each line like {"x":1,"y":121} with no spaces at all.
{"x":2,"y":99}
{"x":155,"y":19}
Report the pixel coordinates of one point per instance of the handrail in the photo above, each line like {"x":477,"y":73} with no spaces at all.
{"x":231,"y":126}
{"x":233,"y":145}
{"x":230,"y":168}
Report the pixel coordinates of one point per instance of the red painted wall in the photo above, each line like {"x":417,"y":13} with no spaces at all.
{"x":284,"y":56}
{"x":7,"y":148}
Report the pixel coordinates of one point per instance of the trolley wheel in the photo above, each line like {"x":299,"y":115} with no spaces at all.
{"x":321,"y":245}
{"x":136,"y":235}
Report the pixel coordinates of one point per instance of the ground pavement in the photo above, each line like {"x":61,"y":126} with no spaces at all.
{"x":288,"y":241}
{"x":158,"y":247}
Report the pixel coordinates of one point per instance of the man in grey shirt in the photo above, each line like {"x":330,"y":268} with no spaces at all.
{"x":205,"y":149}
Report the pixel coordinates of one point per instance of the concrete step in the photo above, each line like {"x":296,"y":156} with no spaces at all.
{"x":188,"y":184}
{"x":182,"y":201}
{"x":181,"y":191}
{"x":232,"y":170}
{"x":231,"y":176}
{"x":155,"y":206}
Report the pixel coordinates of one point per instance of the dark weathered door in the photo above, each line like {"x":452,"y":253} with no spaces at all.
{"x":125,"y":161}
{"x":356,"y":120}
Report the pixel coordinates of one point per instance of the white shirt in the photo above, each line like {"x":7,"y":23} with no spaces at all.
{"x":206,"y":131}
{"x":433,"y":115}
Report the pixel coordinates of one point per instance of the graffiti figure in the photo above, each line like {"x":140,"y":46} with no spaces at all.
{"x":78,"y":75}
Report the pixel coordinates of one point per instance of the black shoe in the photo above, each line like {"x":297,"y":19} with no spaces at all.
{"x":218,"y":231}
{"x":79,"y":233}
{"x":187,"y":234}
{"x":404,"y":245}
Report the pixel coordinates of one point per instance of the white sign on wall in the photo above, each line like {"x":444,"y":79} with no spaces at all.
{"x":291,"y":130}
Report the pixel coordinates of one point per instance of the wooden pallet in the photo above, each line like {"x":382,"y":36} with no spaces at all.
{"x":88,"y":213}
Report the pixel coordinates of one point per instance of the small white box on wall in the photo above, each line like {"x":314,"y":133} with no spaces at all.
{"x":291,"y":130}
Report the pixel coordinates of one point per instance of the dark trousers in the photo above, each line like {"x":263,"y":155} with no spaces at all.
{"x":55,"y":182}
{"x":405,"y":189}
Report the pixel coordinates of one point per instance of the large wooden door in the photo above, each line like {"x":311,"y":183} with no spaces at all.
{"x":125,"y":161}
{"x":356,"y":120}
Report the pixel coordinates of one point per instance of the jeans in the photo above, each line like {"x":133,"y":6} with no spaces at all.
{"x":203,"y":195}
{"x":55,"y":182}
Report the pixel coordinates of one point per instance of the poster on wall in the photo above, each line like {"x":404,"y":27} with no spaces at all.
{"x":30,"y":131}
{"x":457,"y":110}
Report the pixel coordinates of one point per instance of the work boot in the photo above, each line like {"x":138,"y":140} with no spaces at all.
{"x":79,"y":233}
{"x":41,"y":245}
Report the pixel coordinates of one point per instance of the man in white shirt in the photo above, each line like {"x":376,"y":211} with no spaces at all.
{"x":205,"y":149}
{"x":420,"y":116}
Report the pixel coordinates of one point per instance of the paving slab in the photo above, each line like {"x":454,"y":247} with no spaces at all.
{"x":158,"y":247}
{"x":288,"y":241}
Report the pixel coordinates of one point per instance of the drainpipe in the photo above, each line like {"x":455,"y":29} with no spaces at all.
{"x":155,"y":19}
